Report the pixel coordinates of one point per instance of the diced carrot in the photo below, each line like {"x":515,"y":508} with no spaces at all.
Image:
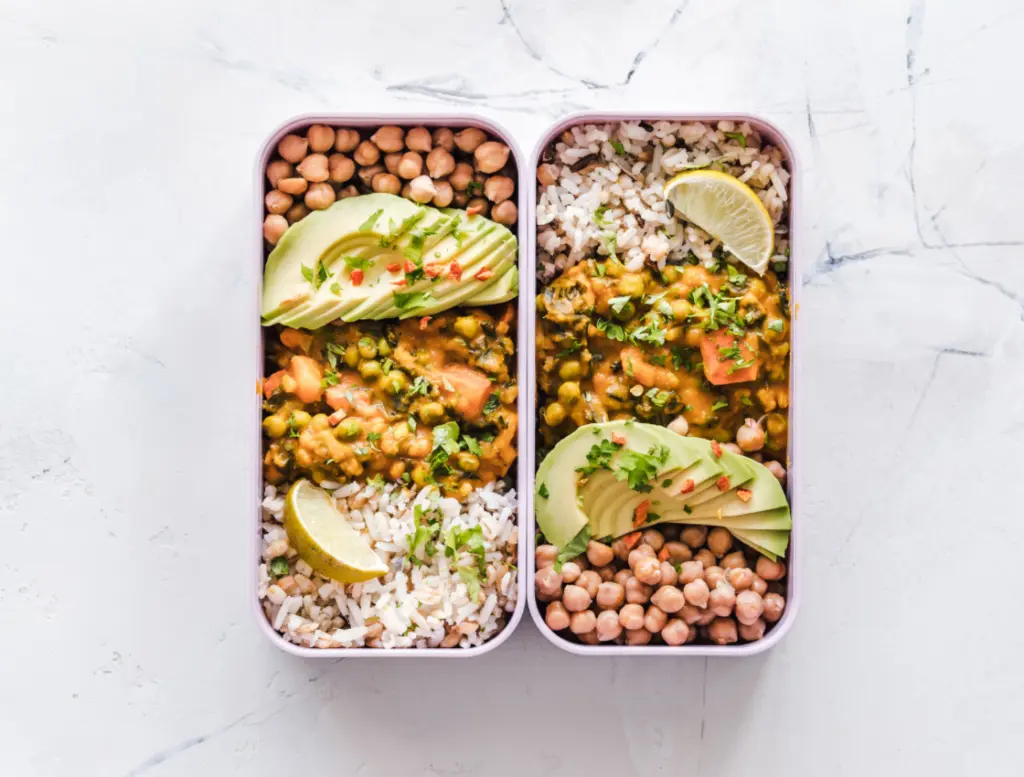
{"x":631,"y":540}
{"x":688,"y":486}
{"x":356,"y":276}
{"x":723,"y":353}
{"x":336,"y":417}
{"x":722,"y":483}
{"x":270,"y":384}
{"x":296,"y":340}
{"x":469,"y":391}
{"x":455,"y":271}
{"x":484,"y":274}
{"x":663,"y":554}
{"x":640,"y":515}
{"x":307,"y":375}
{"x":744,"y":494}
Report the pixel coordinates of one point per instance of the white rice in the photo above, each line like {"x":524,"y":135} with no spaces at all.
{"x":412,"y":605}
{"x":614,"y":202}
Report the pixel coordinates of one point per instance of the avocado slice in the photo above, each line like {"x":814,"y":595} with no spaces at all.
{"x":765,"y":493}
{"x":774,"y":520}
{"x":772,"y":544}
{"x":505,"y":289}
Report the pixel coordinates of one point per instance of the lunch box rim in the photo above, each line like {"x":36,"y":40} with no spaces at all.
{"x":525,"y":314}
{"x":528,"y":519}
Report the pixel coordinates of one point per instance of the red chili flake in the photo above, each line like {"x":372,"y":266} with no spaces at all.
{"x":484,"y":274}
{"x":716,"y":448}
{"x":640,"y":516}
{"x":631,"y":539}
{"x":455,"y":271}
{"x":618,"y":439}
{"x":663,"y":554}
{"x":398,"y":282}
{"x":432,"y":272}
{"x":409,"y":266}
{"x":722,"y":483}
{"x":423,"y":322}
{"x":474,"y":210}
{"x":744,"y":494}
{"x":688,"y":486}
{"x":356,"y":276}
{"x":393,"y":267}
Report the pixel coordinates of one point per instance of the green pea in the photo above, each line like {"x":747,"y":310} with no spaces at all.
{"x":350,"y":428}
{"x":367,"y":348}
{"x":625,"y":312}
{"x":554,"y":414}
{"x":467,"y":326}
{"x":467,"y":462}
{"x":395,"y":382}
{"x":352,"y":356}
{"x":383,"y":349}
{"x":670,"y":274}
{"x":681,"y":309}
{"x":632,"y":285}
{"x":570,"y":370}
{"x":275,"y":426}
{"x":431,"y":412}
{"x":370,"y":369}
{"x":420,"y":475}
{"x":319,"y":422}
{"x":569,"y":393}
{"x":300,"y":419}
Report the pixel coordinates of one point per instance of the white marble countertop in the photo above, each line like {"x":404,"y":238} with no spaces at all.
{"x":127,"y":140}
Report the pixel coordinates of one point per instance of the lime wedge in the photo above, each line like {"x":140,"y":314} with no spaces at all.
{"x":324,"y":538}
{"x":728,"y":209}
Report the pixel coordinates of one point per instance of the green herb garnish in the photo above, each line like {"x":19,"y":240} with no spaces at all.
{"x":638,"y":469}
{"x":279,"y":566}
{"x":542,"y":491}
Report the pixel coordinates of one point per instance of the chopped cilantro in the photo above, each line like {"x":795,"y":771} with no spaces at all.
{"x":471,"y":444}
{"x":599,"y":215}
{"x":610,"y":329}
{"x":618,"y":304}
{"x":279,"y":566}
{"x":446,"y":437}
{"x":573,"y":346}
{"x":419,"y":386}
{"x":638,"y":469}
{"x":471,"y":578}
{"x":357,"y":262}
{"x":575,"y":547}
{"x":600,"y":268}
{"x":619,"y":148}
{"x":330,"y":379}
{"x":737,"y":136}
{"x":649,"y":333}
{"x":599,"y":457}
{"x":474,"y":186}
{"x":493,"y":403}
{"x":719,"y":405}
{"x":666,"y":483}
{"x":411,"y":299}
{"x":315,"y":275}
{"x":411,"y":423}
{"x":386,"y":366}
{"x":776,"y":325}
{"x":542,"y":491}
{"x":373,"y":437}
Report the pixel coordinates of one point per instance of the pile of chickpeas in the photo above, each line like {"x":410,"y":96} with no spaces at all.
{"x":441,"y":167}
{"x":677,"y":584}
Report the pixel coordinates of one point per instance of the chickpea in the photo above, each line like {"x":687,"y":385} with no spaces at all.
{"x":554,"y":414}
{"x":735,"y":560}
{"x":505,"y":213}
{"x":274,"y":227}
{"x":292,"y":148}
{"x":668,"y":598}
{"x":639,"y":552}
{"x":631,"y":616}
{"x":345,"y":140}
{"x":679,"y":425}
{"x":778,"y":470}
{"x":677,"y":551}
{"x":469,"y":139}
{"x":705,"y":557}
{"x":669,"y":576}
{"x":391,"y":162}
{"x":690,"y":614}
{"x":675,"y":632}
{"x":499,"y":188}
{"x":348,"y":191}
{"x":773,"y":605}
{"x":351,"y":356}
{"x":556,"y":616}
{"x":369,"y":172}
{"x":418,"y":139}
{"x":655,"y":619}
{"x":648,"y":571}
{"x":759,"y":585}
{"x":478,"y":206}
{"x":320,"y":137}
{"x":620,"y":550}
{"x":690,"y":571}
{"x":752,"y":632}
{"x":599,"y":554}
{"x":749,"y":606}
{"x":444,"y":137}
{"x":722,"y":631}
{"x":293,"y":185}
{"x":639,"y":636}
{"x":719,"y":541}
{"x":444,"y":195}
{"x":770,"y":570}
{"x":732,"y":448}
{"x":410,"y":165}
{"x":622,"y":576}
{"x":694,"y":536}
{"x":389,"y":138}
{"x":461,"y":176}
{"x":653,"y":539}
{"x":569,"y":393}
{"x":279,"y":169}
{"x":422,"y":189}
{"x":589,"y":638}
{"x":340,"y":168}
{"x":547,"y":175}
{"x":589,"y":581}
{"x":722,"y":599}
{"x":366,"y":153}
{"x":546,"y":555}
{"x":574,"y":597}
{"x":697,"y":593}
{"x":637,"y":592}
{"x":582,"y":622}
{"x":440,"y":163}
{"x":608,"y":626}
{"x":491,"y":156}
{"x":314,"y":168}
{"x":610,"y":596}
{"x":740,"y":578}
{"x":319,"y":196}
{"x":386,"y":183}
{"x":606,"y":574}
{"x":277,"y":201}
{"x":671,"y":532}
{"x":713,"y":576}
{"x":467,"y":462}
{"x":570,"y":369}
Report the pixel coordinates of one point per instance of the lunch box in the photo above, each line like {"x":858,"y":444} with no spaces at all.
{"x":527,"y":453}
{"x":524,"y":357}
{"x":526,"y":231}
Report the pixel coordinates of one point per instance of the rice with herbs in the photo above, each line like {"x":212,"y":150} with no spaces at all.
{"x":605,"y":183}
{"x":451,"y":580}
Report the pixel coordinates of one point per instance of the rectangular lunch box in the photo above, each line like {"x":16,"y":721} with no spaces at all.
{"x":524,"y":368}
{"x":527,"y":449}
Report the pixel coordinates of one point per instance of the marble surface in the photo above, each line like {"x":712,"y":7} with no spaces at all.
{"x":127,"y":137}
